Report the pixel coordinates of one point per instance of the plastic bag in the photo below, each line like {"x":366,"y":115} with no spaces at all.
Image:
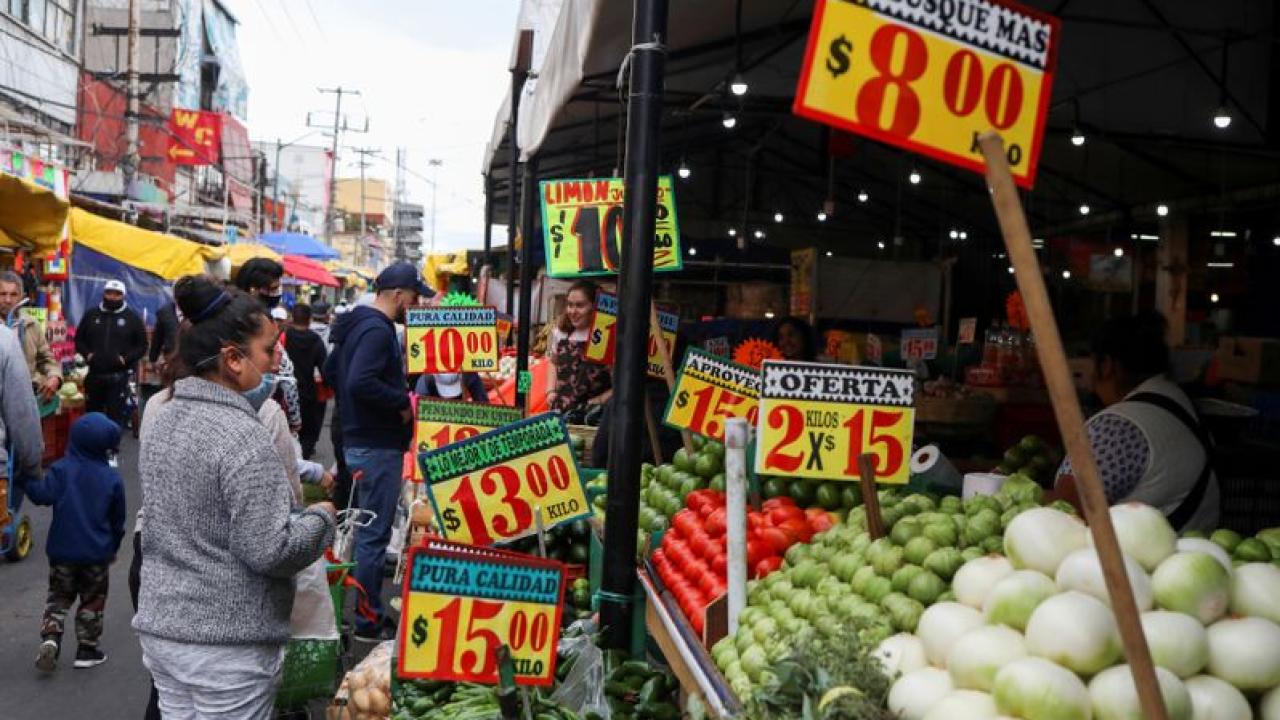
{"x":313,"y":617}
{"x":583,"y":688}
{"x":365,"y":692}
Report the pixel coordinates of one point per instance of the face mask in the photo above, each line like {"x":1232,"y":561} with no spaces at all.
{"x":270,"y":300}
{"x":112,"y":305}
{"x":260,"y":394}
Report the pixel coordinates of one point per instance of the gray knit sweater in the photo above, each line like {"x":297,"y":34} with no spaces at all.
{"x":222,"y":541}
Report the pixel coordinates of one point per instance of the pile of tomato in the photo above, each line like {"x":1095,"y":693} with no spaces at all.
{"x":692,"y":560}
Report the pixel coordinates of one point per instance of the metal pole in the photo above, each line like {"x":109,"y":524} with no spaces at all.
{"x":513,"y":167}
{"x":528,"y":201}
{"x":129,"y":168}
{"x":275,"y":185}
{"x":644,"y":113}
{"x":488,"y":221}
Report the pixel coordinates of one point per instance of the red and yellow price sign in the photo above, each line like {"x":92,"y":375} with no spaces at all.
{"x":817,"y":419}
{"x":451,"y":339}
{"x":929,"y":77}
{"x":582,"y":226}
{"x":459,"y":605}
{"x":604,"y":335}
{"x":442,"y":422}
{"x":490,"y":488}
{"x":709,"y":391}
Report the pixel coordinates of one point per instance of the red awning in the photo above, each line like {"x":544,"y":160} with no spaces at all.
{"x":308,"y":271}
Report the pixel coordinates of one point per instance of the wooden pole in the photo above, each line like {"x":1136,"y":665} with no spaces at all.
{"x":870,"y":500}
{"x":664,"y":354}
{"x":1066,"y":407}
{"x":651,"y":424}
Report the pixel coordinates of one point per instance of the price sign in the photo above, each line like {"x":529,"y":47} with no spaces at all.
{"x":582,"y":227}
{"x":488,"y":488}
{"x":920,"y":343}
{"x":441,"y":422}
{"x":459,"y":605}
{"x":968,"y":330}
{"x":709,"y":391}
{"x":505,"y":324}
{"x":929,"y":77}
{"x":450,"y":340}
{"x":875,"y":349}
{"x":817,"y":419}
{"x":603,"y":340}
{"x":718,"y":346}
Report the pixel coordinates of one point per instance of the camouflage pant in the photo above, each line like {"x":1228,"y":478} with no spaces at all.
{"x":66,"y":583}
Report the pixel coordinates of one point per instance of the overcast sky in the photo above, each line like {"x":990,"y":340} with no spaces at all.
{"x":432,"y":74}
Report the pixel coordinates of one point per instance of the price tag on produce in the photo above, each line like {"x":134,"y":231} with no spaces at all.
{"x":442,"y":422}
{"x":459,"y":604}
{"x":817,"y":419}
{"x":920,"y":343}
{"x":487,"y":489}
{"x":451,"y":339}
{"x":604,"y":330}
{"x":929,"y":77}
{"x":582,"y":226}
{"x":709,"y":391}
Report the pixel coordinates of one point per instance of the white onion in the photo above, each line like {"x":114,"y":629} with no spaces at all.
{"x":1193,"y":583}
{"x":1177,"y":642}
{"x":1144,"y":533}
{"x":1040,"y":538}
{"x":941,"y":625}
{"x":1213,"y":699}
{"x":1076,"y":631}
{"x":1245,"y":652}
{"x":1035,"y":689}
{"x":1115,"y":696}
{"x":1206,"y":546}
{"x":979,"y":654}
{"x":1013,"y":599}
{"x":964,"y":705}
{"x":915,"y":693}
{"x":1082,"y":571}
{"x":1255,"y":591}
{"x":1270,"y":705}
{"x":975,"y":579}
{"x":901,"y":654}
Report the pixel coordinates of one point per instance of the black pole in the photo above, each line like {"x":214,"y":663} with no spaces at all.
{"x":513,"y":168}
{"x":640,"y":201}
{"x":488,"y":222}
{"x":528,"y":213}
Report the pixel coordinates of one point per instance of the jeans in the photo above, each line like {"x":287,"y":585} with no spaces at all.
{"x":209,"y":682}
{"x":378,"y":489}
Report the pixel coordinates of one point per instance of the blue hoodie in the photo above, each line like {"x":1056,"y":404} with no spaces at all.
{"x":367,"y":371}
{"x":87,"y":496}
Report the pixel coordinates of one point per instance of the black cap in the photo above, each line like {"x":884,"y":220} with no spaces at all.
{"x":402,"y":276}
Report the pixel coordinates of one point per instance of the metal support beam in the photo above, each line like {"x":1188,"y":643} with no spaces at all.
{"x":488,"y":221}
{"x":513,"y":168}
{"x":528,"y":215}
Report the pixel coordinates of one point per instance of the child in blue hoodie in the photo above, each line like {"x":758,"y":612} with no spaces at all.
{"x":87,"y":496}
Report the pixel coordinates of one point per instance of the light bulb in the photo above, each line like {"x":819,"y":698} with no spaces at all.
{"x":1084,"y":209}
{"x":1010,"y":269}
{"x":768,"y":314}
{"x":955,"y":235}
{"x":829,"y":253}
{"x":964,"y":235}
{"x":739,"y":85}
{"x":1066,"y":274}
{"x":684,"y":172}
{"x":880,"y":244}
{"x":1222,"y":118}
{"x":1276,"y":241}
{"x":733,"y":232}
{"x":693,"y":250}
{"x":863,"y":196}
{"x":729,"y":121}
{"x":1162,"y":209}
{"x":759,"y":234}
{"x":1213,"y":298}
{"x":1118,"y":252}
{"x":822,"y":216}
{"x":1077,"y":137}
{"x":777,"y":217}
{"x":914,"y":177}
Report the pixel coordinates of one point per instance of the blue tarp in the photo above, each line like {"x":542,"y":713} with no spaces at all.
{"x":90,"y":271}
{"x":298,"y":244}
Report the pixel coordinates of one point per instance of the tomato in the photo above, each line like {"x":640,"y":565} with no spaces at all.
{"x":701,"y":501}
{"x":719,"y":589}
{"x":766,"y":566}
{"x":707,"y":584}
{"x":780,"y":515}
{"x":810,"y":513}
{"x":700,"y":544}
{"x":685,"y":522}
{"x":721,"y":543}
{"x":680,"y":555}
{"x":796,"y":529}
{"x":821,"y":522}
{"x":719,"y":564}
{"x":756,"y":551}
{"x":756,"y":520}
{"x":777,"y":539}
{"x":716,"y":523}
{"x":777,"y":502}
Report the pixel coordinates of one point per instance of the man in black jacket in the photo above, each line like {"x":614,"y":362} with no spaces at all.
{"x":307,"y":351}
{"x":112,"y":339}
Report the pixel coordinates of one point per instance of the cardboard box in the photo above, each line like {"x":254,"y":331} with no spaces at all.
{"x":1249,"y":360}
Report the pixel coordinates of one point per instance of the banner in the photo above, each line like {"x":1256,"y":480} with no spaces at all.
{"x":460,"y":603}
{"x":582,"y":227}
{"x":709,"y":391}
{"x":603,"y":341}
{"x":931,"y":76}
{"x":817,"y":419}
{"x":195,"y":137}
{"x":442,"y":422}
{"x":489,"y":488}
{"x":450,"y":340}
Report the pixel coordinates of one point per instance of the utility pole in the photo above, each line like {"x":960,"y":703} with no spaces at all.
{"x":339,"y":125}
{"x":395,"y":208}
{"x":362,"y":152}
{"x":434,"y":164}
{"x":129,"y":168}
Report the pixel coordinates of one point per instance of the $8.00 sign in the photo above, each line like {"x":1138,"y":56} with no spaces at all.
{"x":817,"y":419}
{"x":709,"y":391}
{"x":582,"y":224}
{"x":451,"y":340}
{"x":489,"y":488}
{"x":931,"y":75}
{"x":441,"y":422}
{"x":604,"y":335}
{"x":459,"y":604}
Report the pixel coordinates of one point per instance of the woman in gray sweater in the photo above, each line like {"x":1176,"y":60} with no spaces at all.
{"x":223,"y":539}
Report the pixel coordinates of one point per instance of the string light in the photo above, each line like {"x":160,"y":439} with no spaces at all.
{"x":777,"y":217}
{"x":683,"y":171}
{"x":733,"y":232}
{"x":1162,"y":210}
{"x":1276,"y":241}
{"x":914,"y":177}
{"x":863,"y":196}
{"x":822,"y":216}
{"x":693,"y":250}
{"x":1213,"y":298}
{"x":1084,"y":209}
{"x":880,"y":244}
{"x":1077,"y":137}
{"x":739,"y":85}
{"x":759,"y":234}
{"x":729,"y":121}
{"x":1066,"y":274}
{"x":1118,"y":252}
{"x":1222,"y":118}
{"x":829,"y":253}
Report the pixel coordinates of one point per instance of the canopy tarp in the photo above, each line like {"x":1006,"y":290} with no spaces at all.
{"x":308,"y":271}
{"x":31,"y":216}
{"x":90,"y":272}
{"x":241,"y":253}
{"x":163,"y":255}
{"x":298,"y":244}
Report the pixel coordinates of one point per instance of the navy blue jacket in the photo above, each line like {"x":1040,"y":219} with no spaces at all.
{"x":87,"y":496}
{"x":366,"y":368}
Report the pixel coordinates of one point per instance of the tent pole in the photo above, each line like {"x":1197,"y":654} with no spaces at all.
{"x":644,"y":115}
{"x":528,"y":214}
{"x":513,"y":166}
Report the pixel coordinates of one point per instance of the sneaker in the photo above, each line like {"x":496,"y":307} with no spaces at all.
{"x":87,"y":657}
{"x":47,"y":657}
{"x":385,"y":631}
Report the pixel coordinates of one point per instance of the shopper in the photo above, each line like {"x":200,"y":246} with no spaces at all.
{"x":164,"y":341}
{"x":307,"y":351}
{"x":260,"y":277}
{"x":574,"y":383}
{"x":450,"y":386}
{"x":112,"y":339}
{"x":794,"y":339}
{"x":46,"y":371}
{"x":367,"y":367}
{"x":88,"y":502}
{"x":222,"y":539}
{"x":21,"y":439}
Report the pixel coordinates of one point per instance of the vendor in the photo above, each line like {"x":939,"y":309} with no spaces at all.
{"x":46,"y":373}
{"x":1149,"y":443}
{"x":573,"y":382}
{"x":794,"y":339}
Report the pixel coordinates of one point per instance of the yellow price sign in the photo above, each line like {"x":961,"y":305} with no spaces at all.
{"x":816,"y":420}
{"x":582,"y":227}
{"x":490,"y":488}
{"x":603,"y":341}
{"x":710,"y":390}
{"x":451,"y":339}
{"x":442,"y":422}
{"x":929,"y":77}
{"x":459,"y":605}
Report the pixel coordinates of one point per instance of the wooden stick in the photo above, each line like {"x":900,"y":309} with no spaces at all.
{"x":870,"y":500}
{"x":651,"y":424}
{"x":664,"y":354}
{"x":1066,"y":407}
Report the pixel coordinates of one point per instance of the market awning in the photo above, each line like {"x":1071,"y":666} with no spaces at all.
{"x":30,"y":215}
{"x":451,"y":263}
{"x":167,"y":256}
{"x":308,"y":271}
{"x":298,"y":244}
{"x":241,"y":253}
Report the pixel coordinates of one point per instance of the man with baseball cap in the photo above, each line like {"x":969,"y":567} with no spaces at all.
{"x":112,"y":339}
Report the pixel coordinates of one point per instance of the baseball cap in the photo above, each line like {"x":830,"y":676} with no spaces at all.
{"x":449,"y":385}
{"x":115,"y":285}
{"x":402,"y":276}
{"x":279,"y":313}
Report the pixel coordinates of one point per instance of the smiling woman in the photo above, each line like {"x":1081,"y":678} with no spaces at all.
{"x":575,"y":383}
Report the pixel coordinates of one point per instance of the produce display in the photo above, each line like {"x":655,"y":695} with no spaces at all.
{"x":1032,"y":457}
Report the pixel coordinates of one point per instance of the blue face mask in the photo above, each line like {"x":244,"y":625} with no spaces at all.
{"x":260,"y":394}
